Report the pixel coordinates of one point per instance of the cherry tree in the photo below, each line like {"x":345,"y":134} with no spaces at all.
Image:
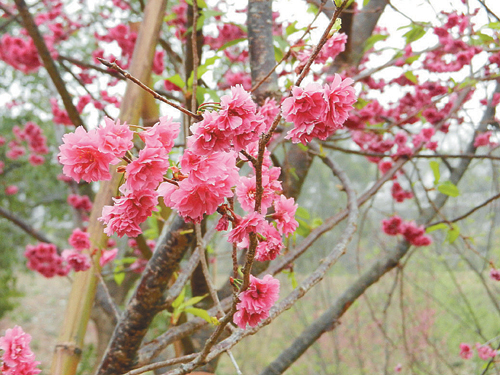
{"x":180,"y":131}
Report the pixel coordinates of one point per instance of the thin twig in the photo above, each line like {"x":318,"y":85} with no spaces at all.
{"x":467,"y":213}
{"x":200,"y":248}
{"x":157,"y":365}
{"x":149,"y":90}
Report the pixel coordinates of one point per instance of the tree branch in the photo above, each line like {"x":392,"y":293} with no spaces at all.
{"x":48,"y":62}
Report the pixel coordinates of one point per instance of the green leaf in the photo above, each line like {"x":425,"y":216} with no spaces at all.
{"x":177,"y":80}
{"x":453,"y":234}
{"x":292,"y":278}
{"x":411,"y":77}
{"x":231,"y":43}
{"x":415,"y":33}
{"x":180,"y":298}
{"x":370,"y":42}
{"x":493,"y":25}
{"x":316,"y":222}
{"x":304,"y":229}
{"x":119,"y":275}
{"x":365,"y":2}
{"x":194,"y":300}
{"x":435,"y":170}
{"x":303,"y":213}
{"x":202,"y":314}
{"x":432,"y":228}
{"x":336,"y":26}
{"x":448,"y":188}
{"x":303,"y":147}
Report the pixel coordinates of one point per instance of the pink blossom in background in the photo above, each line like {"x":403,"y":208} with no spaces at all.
{"x":332,"y":48}
{"x":61,"y":117}
{"x":256,"y":301}
{"x":398,"y":367}
{"x":80,"y":202}
{"x":36,"y":159}
{"x":232,"y":78}
{"x":2,"y":166}
{"x":483,"y":139}
{"x":392,"y":226}
{"x":20,"y":53}
{"x":114,"y":138}
{"x":108,"y":256}
{"x":79,"y":240}
{"x":162,"y":134}
{"x":385,"y":166}
{"x":81,"y":159}
{"x":466,"y":351}
{"x":495,"y":274}
{"x":82,"y":102}
{"x":44,"y":259}
{"x":485,"y":352}
{"x":77,"y":261}
{"x":128,"y":212}
{"x":17,"y":358}
{"x":399,"y":194}
{"x":284,"y":214}
{"x":11,"y":190}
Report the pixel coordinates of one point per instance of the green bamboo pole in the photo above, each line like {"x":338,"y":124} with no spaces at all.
{"x":70,"y":342}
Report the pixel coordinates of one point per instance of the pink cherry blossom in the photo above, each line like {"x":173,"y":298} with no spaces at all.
{"x":130,"y":210}
{"x":162,"y":134}
{"x":11,"y":190}
{"x":252,"y":223}
{"x":207,"y":135}
{"x":284,"y":212}
{"x":392,"y":226}
{"x":44,"y":259}
{"x":256,"y":301}
{"x":305,"y":106}
{"x":466,"y":351}
{"x":108,"y":256}
{"x":246,"y":189}
{"x":495,"y":274}
{"x":485,"y":352}
{"x":17,"y":358}
{"x":114,"y":138}
{"x":81,"y":158}
{"x":270,"y":246}
{"x":340,"y":97}
{"x":79,"y":240}
{"x":76,"y":260}
{"x":147,"y":171}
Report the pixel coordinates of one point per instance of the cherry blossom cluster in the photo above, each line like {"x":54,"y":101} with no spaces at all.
{"x":485,"y":352}
{"x":317,"y":112}
{"x":256,"y":301}
{"x":80,"y":202}
{"x":32,"y":136}
{"x":126,"y":38}
{"x":334,"y":46}
{"x":207,"y":174}
{"x":17,"y":357}
{"x":44,"y":259}
{"x":412,"y":233}
{"x":20,"y":51}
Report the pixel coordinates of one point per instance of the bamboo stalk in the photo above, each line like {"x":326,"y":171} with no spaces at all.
{"x":70,"y":343}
